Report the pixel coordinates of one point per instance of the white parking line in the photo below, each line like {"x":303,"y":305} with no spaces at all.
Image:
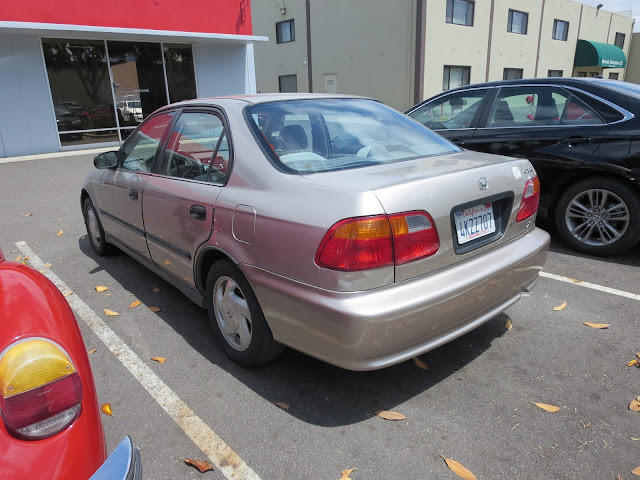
{"x":222,"y":456}
{"x":593,"y":286}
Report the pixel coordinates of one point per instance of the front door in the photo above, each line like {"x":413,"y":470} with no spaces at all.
{"x":180,"y":196}
{"x":121,"y":189}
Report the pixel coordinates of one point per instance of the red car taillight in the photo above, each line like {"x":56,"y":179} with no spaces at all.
{"x":40,"y":389}
{"x":365,"y":243}
{"x":530,"y":199}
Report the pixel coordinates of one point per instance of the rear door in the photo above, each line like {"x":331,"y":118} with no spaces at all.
{"x":455,"y":115}
{"x":548,"y":125}
{"x":180,"y":196}
{"x":121,"y":189}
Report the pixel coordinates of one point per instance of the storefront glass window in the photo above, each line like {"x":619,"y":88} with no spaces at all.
{"x":181,"y":80}
{"x":80,"y":89}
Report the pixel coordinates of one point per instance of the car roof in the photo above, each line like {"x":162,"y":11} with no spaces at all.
{"x":263,"y":98}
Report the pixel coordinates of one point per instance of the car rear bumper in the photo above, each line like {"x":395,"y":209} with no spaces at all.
{"x":124,"y":463}
{"x":376,"y":328}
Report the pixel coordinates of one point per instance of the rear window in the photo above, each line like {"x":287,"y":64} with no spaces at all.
{"x":306,"y":136}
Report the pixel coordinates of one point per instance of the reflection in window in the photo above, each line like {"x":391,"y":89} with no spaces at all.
{"x":460,"y":12}
{"x":79,"y":80}
{"x":454,"y":77}
{"x":83,"y":138}
{"x":512,"y":74}
{"x":141,"y":149}
{"x":450,"y":112}
{"x":181,"y":78}
{"x":285,"y":31}
{"x":555,"y":73}
{"x":138,"y":80}
{"x":517,"y":22}
{"x":560,"y":30}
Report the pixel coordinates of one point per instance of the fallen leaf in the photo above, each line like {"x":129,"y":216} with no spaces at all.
{"x":636,"y":471}
{"x":28,"y":214}
{"x":345,"y":474}
{"x":597,"y":325}
{"x":420,"y":364}
{"x":135,"y":304}
{"x":458,"y":469}
{"x":282,"y":405}
{"x":106,"y":409}
{"x":18,"y":259}
{"x":508,"y":325}
{"x":159,"y":359}
{"x":59,"y":219}
{"x":547,"y":407}
{"x":635,"y":439}
{"x":561,"y":307}
{"x":155,"y":309}
{"x":93,"y":350}
{"x":59,"y":233}
{"x":574,"y":280}
{"x":156,"y":289}
{"x":620,"y":477}
{"x":111,"y":313}
{"x":47,"y":265}
{"x":167,"y":262}
{"x":638,"y":355}
{"x":101,"y":288}
{"x":68,"y":293}
{"x":388,"y":415}
{"x":633,"y":362}
{"x":634,"y":406}
{"x":83,"y":237}
{"x":201,"y":465}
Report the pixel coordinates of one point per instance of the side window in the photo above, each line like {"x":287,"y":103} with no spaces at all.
{"x":141,"y":149}
{"x":538,"y":106}
{"x":451,"y":111}
{"x":198,"y":149}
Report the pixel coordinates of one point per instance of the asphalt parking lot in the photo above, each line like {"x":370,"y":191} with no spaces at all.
{"x":474,"y":405}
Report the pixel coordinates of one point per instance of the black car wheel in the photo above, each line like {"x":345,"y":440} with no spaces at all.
{"x":236,"y":317}
{"x":95,"y":230}
{"x":599,"y":216}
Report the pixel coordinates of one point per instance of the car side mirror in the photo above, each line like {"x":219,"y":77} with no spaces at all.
{"x":106,"y":160}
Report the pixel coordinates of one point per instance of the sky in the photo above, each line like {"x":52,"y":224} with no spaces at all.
{"x":618,"y":6}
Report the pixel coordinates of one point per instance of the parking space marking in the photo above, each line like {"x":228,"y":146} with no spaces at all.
{"x":222,"y":456}
{"x":593,"y":286}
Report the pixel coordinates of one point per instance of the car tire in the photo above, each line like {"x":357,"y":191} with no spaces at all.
{"x":95,"y":232}
{"x":599,"y":216}
{"x":237,"y":319}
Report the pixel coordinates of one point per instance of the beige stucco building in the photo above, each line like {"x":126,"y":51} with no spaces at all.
{"x":406,"y":50}
{"x":633,"y":70}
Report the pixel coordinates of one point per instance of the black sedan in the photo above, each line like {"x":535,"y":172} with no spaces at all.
{"x":581,"y":134}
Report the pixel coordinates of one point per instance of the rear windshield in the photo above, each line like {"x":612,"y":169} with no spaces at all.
{"x":306,"y":136}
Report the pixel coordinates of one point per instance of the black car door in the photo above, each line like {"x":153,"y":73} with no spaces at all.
{"x":454,"y":115}
{"x":548,"y":125}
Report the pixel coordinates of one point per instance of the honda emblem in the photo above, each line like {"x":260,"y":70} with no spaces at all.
{"x":482,"y":183}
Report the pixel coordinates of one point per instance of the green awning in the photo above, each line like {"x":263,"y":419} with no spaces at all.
{"x":596,"y":54}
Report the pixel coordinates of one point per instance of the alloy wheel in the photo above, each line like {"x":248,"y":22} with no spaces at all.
{"x":232,"y":313}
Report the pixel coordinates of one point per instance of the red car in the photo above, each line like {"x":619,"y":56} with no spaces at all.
{"x":51,"y":426}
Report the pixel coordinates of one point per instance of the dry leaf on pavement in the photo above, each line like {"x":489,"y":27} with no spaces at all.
{"x":94,"y":350}
{"x":459,"y":469}
{"x":167,"y":262}
{"x":636,"y":471}
{"x":100,"y":288}
{"x":633,"y":362}
{"x":547,"y":407}
{"x":66,"y":294}
{"x":159,"y":359}
{"x":420,"y":364}
{"x":282,"y":405}
{"x":634,"y":406}
{"x":388,"y":415}
{"x":47,"y":265}
{"x":28,"y":214}
{"x":561,"y":307}
{"x":18,"y":259}
{"x":111,"y":313}
{"x":508,"y":325}
{"x":135,"y":304}
{"x":156,"y":289}
{"x":59,"y":233}
{"x":106,"y":409}
{"x":155,"y":309}
{"x":201,"y":465}
{"x":597,"y":325}
{"x":345,"y":474}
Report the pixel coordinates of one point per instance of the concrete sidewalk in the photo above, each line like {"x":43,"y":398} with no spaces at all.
{"x":68,"y":153}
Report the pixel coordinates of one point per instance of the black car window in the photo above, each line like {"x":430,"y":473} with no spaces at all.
{"x":139,"y":152}
{"x":198,"y":149}
{"x":533,"y":106}
{"x":453,"y":111}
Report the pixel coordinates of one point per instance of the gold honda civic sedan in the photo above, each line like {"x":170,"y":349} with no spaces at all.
{"x":333,"y":225}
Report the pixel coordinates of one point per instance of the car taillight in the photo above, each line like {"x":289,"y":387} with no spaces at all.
{"x":365,"y":243}
{"x":40,"y":389}
{"x":530,"y":199}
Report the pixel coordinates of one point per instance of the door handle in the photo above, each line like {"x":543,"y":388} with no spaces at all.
{"x":458,"y":141}
{"x":575,"y":141}
{"x":198,"y":212}
{"x":133,"y":194}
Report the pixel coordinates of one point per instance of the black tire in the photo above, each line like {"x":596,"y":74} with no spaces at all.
{"x":599,"y":216}
{"x":234,"y":311}
{"x":95,"y":232}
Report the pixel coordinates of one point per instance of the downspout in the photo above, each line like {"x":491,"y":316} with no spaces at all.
{"x":535,"y":74}
{"x":486,"y":77}
{"x":309,"y":69}
{"x":421,"y":21}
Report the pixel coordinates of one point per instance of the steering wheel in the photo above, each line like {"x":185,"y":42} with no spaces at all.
{"x":434,"y":125}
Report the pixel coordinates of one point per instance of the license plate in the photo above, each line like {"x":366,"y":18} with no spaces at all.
{"x":474,"y":222}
